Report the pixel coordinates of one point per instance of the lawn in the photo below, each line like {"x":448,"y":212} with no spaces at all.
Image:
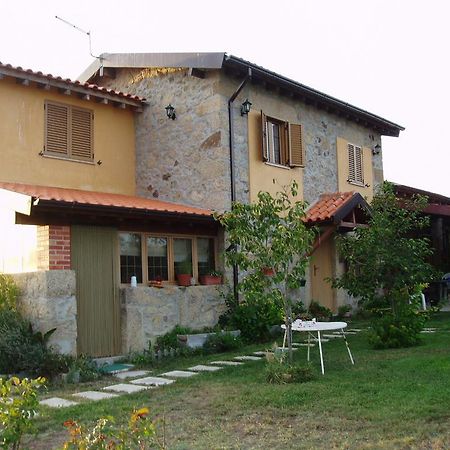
{"x":391,"y":399}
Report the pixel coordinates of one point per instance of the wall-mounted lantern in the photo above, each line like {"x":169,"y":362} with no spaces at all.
{"x":170,"y":111}
{"x":245,"y":107}
{"x":376,"y":150}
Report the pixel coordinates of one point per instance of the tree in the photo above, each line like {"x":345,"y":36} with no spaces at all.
{"x":387,"y":265}
{"x":269,"y":234}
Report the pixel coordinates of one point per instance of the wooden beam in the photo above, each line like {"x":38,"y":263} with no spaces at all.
{"x":322,"y":238}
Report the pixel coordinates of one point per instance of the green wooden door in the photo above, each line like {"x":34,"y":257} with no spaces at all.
{"x":94,"y":258}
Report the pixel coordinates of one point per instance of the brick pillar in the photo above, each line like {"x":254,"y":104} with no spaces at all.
{"x":53,"y":247}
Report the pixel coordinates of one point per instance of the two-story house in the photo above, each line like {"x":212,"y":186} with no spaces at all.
{"x":216,"y":151}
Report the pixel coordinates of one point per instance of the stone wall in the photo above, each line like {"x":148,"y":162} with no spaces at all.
{"x":47,"y":300}
{"x":150,"y":312}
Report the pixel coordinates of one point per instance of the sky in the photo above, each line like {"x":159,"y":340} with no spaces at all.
{"x":389,"y":57}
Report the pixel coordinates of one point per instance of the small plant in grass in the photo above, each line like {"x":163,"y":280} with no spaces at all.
{"x":18,"y":406}
{"x":170,"y":339}
{"x":83,"y":369}
{"x":344,"y":311}
{"x":141,"y":433}
{"x":222,"y":342}
{"x":318,"y":311}
{"x":269,"y":233}
{"x":279,"y":371}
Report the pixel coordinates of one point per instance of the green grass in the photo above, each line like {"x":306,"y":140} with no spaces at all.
{"x":391,"y":399}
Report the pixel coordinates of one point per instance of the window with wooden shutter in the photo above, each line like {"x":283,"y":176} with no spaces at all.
{"x":355,"y":164}
{"x":68,"y":132}
{"x":296,"y":148}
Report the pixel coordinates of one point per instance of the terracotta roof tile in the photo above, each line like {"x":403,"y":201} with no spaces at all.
{"x":74,"y":84}
{"x":102,"y":199}
{"x":327,"y":206}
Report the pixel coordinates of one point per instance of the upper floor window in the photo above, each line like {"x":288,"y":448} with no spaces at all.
{"x":355,"y":164}
{"x":282,"y":142}
{"x":68,"y":132}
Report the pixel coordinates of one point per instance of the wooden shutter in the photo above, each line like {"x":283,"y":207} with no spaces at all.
{"x":351,"y":163}
{"x":56,"y":129}
{"x":81,"y":134}
{"x":265,"y":148}
{"x":296,"y":147}
{"x":359,"y":172}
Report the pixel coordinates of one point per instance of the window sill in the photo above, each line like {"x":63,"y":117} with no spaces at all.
{"x":62,"y":158}
{"x":356,"y":183}
{"x":280,"y":166}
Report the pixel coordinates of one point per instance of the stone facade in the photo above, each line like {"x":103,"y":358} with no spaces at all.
{"x":150,"y":312}
{"x":48,"y":301}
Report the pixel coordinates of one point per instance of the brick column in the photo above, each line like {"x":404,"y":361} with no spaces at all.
{"x":53,"y":247}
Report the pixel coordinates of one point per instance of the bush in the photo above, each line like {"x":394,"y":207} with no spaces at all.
{"x":8,"y":292}
{"x":170,"y":340}
{"x":343,"y":310}
{"x":18,"y":405}
{"x":83,"y":369}
{"x":222,"y":342}
{"x":319,"y":312}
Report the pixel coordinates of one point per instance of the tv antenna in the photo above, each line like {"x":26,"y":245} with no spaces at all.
{"x":84,"y":32}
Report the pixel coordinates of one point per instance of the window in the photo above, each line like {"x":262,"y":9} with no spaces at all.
{"x":68,"y":132}
{"x":161,"y":258}
{"x":282,"y":142}
{"x":130,"y":257}
{"x":355,"y":165}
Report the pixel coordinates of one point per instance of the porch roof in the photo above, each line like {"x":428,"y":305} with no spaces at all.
{"x":335,"y":207}
{"x":56,"y":196}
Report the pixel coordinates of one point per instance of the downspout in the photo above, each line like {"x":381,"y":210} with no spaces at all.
{"x":232,"y":175}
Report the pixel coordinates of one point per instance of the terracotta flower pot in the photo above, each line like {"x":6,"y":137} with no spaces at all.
{"x":184,"y":279}
{"x":210,"y":279}
{"x":268,"y":271}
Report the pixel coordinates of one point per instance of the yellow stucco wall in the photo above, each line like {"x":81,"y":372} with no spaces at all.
{"x":264,"y":176}
{"x":22,"y":138}
{"x":343,"y":165}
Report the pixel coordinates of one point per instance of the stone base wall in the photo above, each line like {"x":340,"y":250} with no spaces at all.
{"x":47,"y":300}
{"x":150,"y":312}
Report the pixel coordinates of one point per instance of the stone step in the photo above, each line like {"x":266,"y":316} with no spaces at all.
{"x":153,"y":381}
{"x":247,"y":358}
{"x":227,"y":363}
{"x":94,"y":395}
{"x":203,"y":368}
{"x":179,"y":374}
{"x":131,"y":374}
{"x":57,"y":402}
{"x":124,"y":388}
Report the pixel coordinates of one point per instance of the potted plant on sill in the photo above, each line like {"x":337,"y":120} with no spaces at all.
{"x":213,"y":277}
{"x":184,"y":274}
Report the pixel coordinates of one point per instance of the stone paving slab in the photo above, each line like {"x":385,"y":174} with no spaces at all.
{"x":203,"y":368}
{"x":131,"y":374}
{"x":247,"y":358}
{"x":179,"y":374}
{"x":94,"y":395}
{"x":285,"y":349}
{"x":322,"y":340}
{"x":355,"y":329}
{"x":261,"y":353}
{"x":57,"y":402}
{"x":307,"y":345}
{"x":227,"y":363}
{"x":153,"y":381}
{"x":428,"y":331}
{"x":333,"y":336}
{"x":125,"y":388}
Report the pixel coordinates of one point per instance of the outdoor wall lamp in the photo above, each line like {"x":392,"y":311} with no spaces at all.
{"x":245,"y":107}
{"x":376,"y":150}
{"x":170,"y":111}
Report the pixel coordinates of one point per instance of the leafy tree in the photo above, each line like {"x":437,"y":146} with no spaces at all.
{"x":387,"y":262}
{"x":269,"y":234}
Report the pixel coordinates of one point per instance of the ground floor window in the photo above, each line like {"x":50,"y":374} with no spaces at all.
{"x":161,"y":258}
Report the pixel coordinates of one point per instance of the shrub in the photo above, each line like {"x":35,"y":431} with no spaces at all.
{"x":141,"y":433}
{"x":222,"y":342}
{"x":8,"y":292}
{"x":318,"y":311}
{"x":18,"y":405}
{"x":170,"y":340}
{"x":83,"y":369}
{"x":343,"y":310}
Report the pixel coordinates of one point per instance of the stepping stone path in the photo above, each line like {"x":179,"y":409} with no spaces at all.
{"x":152,"y":381}
{"x":131,"y":374}
{"x":94,"y":395}
{"x":179,"y":374}
{"x":56,"y":402}
{"x":124,"y":388}
{"x":202,"y":368}
{"x":227,"y":363}
{"x":247,"y":358}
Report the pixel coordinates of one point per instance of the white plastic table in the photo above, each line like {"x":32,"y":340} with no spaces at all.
{"x":311,"y":327}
